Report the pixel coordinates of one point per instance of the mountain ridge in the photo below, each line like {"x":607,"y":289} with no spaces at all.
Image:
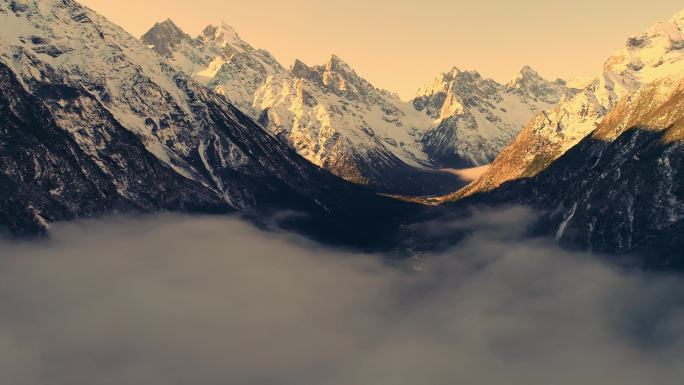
{"x":657,"y":52}
{"x":96,"y":123}
{"x":620,"y":190}
{"x":477,"y":117}
{"x":339,"y":121}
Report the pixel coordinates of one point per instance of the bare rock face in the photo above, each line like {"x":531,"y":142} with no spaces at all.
{"x":164,"y":38}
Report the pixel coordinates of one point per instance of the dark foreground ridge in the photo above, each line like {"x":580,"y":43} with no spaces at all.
{"x":622,"y":197}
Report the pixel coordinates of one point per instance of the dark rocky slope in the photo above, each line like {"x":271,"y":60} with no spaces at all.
{"x":621,"y":189}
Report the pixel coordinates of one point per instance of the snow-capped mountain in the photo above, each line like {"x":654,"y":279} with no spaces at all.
{"x":646,"y":57}
{"x":474,"y":118}
{"x":203,"y":58}
{"x":341,"y":122}
{"x":621,"y":189}
{"x":94,"y":122}
{"x":328,"y":114}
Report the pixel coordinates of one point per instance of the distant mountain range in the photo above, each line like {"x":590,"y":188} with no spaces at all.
{"x":341,"y":122}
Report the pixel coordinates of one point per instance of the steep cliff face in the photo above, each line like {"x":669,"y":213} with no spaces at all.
{"x":94,"y":122}
{"x":621,"y":189}
{"x":656,"y":53}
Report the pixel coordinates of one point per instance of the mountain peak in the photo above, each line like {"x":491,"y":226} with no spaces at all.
{"x":446,"y":81}
{"x":336,"y":61}
{"x":528,"y":71}
{"x":337,"y":77}
{"x":222,"y":34}
{"x":166,"y":26}
{"x":163,"y":36}
{"x":334,"y":65}
{"x":227,"y":28}
{"x":300,"y":70}
{"x":679,"y":16}
{"x":526,"y":77}
{"x":461,"y":76}
{"x":168,"y":23}
{"x":453,"y":72}
{"x":650,"y":55}
{"x":530,"y":84}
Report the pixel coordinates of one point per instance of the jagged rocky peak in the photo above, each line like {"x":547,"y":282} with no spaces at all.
{"x":452,"y":91}
{"x":338,"y":75}
{"x":527,"y":71}
{"x":303,"y":71}
{"x":221,"y":34}
{"x":458,"y":81}
{"x":219,"y":59}
{"x":339,"y":78}
{"x":664,"y":34}
{"x":444,"y":81}
{"x":164,"y":36}
{"x":530,"y":84}
{"x":439,"y":83}
{"x":338,"y":67}
{"x":458,"y":74}
{"x":649,"y":55}
{"x":471,"y":81}
{"x":476,"y":116}
{"x":526,"y":76}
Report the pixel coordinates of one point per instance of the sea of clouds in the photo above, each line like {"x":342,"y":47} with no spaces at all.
{"x":168,"y":300}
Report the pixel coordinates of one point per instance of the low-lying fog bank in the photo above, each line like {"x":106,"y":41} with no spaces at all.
{"x":171,"y":300}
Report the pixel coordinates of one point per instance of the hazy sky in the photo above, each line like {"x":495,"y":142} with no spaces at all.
{"x":402,"y":44}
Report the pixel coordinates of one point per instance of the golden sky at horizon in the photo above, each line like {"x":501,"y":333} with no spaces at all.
{"x":400,"y":45}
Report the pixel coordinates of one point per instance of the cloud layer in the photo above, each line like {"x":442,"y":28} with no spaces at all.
{"x":204,"y":301}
